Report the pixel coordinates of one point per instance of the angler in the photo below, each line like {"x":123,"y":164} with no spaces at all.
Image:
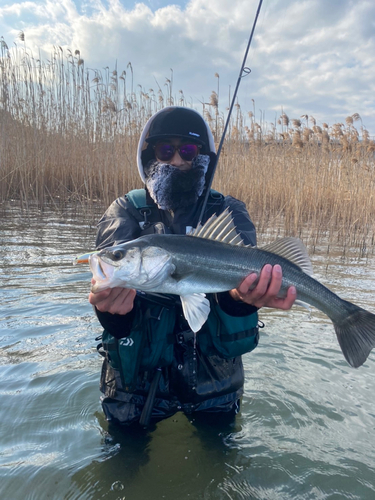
{"x":154,"y":364}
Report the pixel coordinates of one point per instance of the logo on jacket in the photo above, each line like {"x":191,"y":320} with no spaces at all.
{"x":193,"y":133}
{"x":127,"y":342}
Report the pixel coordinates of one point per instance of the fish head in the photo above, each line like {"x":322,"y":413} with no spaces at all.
{"x":131,"y":265}
{"x":115,"y":266}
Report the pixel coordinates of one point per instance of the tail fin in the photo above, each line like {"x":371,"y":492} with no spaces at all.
{"x":356,"y":335}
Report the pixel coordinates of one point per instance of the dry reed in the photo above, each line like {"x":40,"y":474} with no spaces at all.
{"x":69,"y":134}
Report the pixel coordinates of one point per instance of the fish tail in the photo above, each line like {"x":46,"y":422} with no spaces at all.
{"x":356,"y":334}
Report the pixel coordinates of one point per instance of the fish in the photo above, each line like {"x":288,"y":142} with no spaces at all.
{"x":213,"y":258}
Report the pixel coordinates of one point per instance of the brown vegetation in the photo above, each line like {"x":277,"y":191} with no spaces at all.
{"x":69,"y":134}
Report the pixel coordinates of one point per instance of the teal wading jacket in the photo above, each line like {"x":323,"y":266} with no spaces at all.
{"x":205,"y":374}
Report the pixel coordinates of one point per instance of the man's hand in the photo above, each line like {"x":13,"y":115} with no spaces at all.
{"x":264,"y":294}
{"x":113,"y":300}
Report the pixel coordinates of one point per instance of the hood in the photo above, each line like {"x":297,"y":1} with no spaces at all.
{"x":142,"y":145}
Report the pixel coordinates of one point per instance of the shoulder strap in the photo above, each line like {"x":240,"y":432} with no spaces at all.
{"x":215,"y":204}
{"x":138,"y":198}
{"x":146,"y":213}
{"x":215,"y":194}
{"x":138,"y":206}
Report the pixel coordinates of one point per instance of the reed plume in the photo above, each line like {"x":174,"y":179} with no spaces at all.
{"x":69,"y":134}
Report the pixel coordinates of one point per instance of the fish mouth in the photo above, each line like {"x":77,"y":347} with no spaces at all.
{"x":101,"y":273}
{"x":96,"y":267}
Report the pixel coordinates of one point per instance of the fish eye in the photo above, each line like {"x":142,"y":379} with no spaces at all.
{"x":117,"y":255}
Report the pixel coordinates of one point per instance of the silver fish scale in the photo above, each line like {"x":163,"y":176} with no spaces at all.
{"x":210,"y":266}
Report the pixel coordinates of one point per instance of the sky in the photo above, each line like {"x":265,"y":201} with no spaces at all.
{"x":314,"y":57}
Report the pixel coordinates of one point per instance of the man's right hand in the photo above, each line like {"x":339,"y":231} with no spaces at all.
{"x":113,"y":300}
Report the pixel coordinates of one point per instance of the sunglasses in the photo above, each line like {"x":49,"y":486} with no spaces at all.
{"x":165,"y":151}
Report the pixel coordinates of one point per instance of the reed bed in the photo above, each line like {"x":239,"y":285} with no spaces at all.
{"x":69,"y":135}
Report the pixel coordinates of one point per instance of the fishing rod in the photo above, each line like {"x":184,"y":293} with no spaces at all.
{"x":244,"y":71}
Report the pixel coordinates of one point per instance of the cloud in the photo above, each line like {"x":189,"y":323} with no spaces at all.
{"x":319,"y":57}
{"x":309,"y":56}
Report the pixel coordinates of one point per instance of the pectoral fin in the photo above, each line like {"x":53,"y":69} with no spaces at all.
{"x":196,"y":309}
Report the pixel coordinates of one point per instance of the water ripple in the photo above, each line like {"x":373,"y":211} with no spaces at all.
{"x":306,"y":427}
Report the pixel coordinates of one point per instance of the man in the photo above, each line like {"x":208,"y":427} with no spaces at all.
{"x":154,"y":365}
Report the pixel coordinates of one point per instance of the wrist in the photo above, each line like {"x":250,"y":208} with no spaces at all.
{"x":232,"y":306}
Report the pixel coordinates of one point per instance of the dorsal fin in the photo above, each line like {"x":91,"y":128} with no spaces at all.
{"x":219,"y":228}
{"x":292,"y":249}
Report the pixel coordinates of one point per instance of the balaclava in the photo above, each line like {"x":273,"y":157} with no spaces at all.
{"x":172,"y":188}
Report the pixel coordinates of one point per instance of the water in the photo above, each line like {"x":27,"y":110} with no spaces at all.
{"x":306,"y":429}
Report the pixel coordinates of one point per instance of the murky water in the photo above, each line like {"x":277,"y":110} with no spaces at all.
{"x":306,"y":429}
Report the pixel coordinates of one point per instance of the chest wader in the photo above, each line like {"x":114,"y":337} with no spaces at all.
{"x":148,"y":217}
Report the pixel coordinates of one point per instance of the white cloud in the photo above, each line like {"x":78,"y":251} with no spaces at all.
{"x":310,"y":56}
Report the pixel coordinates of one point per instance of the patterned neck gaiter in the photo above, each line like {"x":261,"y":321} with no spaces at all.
{"x":172,"y":188}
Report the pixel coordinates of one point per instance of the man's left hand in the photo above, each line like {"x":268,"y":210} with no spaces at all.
{"x":264,"y":294}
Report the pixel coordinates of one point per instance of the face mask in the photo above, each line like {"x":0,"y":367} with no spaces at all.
{"x":172,"y":188}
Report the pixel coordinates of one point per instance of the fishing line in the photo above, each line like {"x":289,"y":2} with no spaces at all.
{"x":244,"y":71}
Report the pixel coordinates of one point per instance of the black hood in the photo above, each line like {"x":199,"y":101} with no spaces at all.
{"x":190,"y":128}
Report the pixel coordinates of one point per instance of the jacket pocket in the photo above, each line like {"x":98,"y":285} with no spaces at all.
{"x":149,"y":344}
{"x":230,"y":336}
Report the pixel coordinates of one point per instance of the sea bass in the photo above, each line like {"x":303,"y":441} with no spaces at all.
{"x":213,"y":258}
